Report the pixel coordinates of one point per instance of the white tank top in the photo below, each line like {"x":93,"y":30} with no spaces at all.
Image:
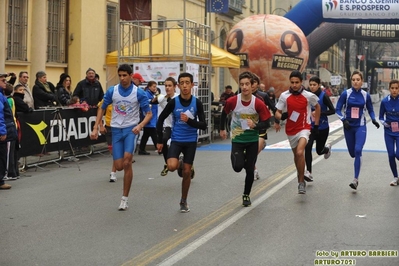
{"x":125,"y":110}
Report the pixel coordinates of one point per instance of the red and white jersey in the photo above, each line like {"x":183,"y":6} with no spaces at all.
{"x":299,"y":110}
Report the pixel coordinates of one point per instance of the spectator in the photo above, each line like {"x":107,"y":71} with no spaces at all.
{"x":262,"y":87}
{"x":89,"y":89}
{"x":19,"y":97}
{"x":7,"y":131}
{"x":228,"y":92}
{"x":12,"y":145}
{"x":63,"y":89}
{"x":23,"y":80}
{"x":43,"y":91}
{"x":137,"y":79}
{"x":271,"y":95}
{"x":150,"y":129}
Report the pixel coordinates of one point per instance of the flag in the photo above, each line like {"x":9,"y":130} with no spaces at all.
{"x":217,"y":6}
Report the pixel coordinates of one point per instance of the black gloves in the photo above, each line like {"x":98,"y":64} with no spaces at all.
{"x":315,"y":130}
{"x":375,"y":123}
{"x":284,"y":116}
{"x":346,"y":124}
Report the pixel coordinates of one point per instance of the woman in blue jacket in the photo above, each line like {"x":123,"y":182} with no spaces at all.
{"x":351,"y":108}
{"x":389,"y":117}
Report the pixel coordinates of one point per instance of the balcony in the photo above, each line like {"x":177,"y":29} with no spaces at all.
{"x":235,"y":8}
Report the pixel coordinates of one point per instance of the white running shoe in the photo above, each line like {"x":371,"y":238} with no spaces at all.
{"x":328,"y":154}
{"x":394,"y":182}
{"x":112,"y":177}
{"x":256,"y":175}
{"x":123,"y":206}
{"x":308,"y":176}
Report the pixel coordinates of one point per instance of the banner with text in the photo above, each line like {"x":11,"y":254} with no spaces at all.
{"x":361,"y":9}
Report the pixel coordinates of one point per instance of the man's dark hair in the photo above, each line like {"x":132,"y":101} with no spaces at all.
{"x":228,"y":87}
{"x":315,"y":79}
{"x":22,"y":72}
{"x":296,"y":74}
{"x":256,"y":78}
{"x":125,"y":67}
{"x":172,"y":80}
{"x":150,"y":83}
{"x":186,"y":75}
{"x":394,"y":81}
{"x":97,"y":76}
{"x":247,"y":75}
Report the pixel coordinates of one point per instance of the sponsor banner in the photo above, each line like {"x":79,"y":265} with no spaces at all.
{"x":380,"y":31}
{"x":42,"y":127}
{"x":361,"y":9}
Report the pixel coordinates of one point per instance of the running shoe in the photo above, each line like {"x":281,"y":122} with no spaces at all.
{"x":394,"y":182}
{"x":308,"y":176}
{"x":328,"y":154}
{"x":180,"y":168}
{"x":124,"y":205}
{"x":192,"y":172}
{"x":165,"y":170}
{"x":184,"y":207}
{"x":256,"y":175}
{"x":246,"y":200}
{"x":112,"y":177}
{"x":302,"y":188}
{"x":10,"y":178}
{"x":354,"y":184}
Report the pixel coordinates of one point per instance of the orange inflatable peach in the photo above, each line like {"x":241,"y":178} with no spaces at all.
{"x":270,"y":46}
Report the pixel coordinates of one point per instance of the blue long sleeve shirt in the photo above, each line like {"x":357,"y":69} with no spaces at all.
{"x":352,"y":102}
{"x":389,"y":112}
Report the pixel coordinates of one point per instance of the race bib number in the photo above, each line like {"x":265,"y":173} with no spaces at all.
{"x":294,"y":116}
{"x":355,"y":112}
{"x":394,"y":126}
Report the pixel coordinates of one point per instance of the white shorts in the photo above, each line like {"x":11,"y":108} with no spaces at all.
{"x":294,"y":139}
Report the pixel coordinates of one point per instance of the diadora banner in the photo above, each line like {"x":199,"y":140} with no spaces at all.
{"x":42,"y":127}
{"x":361,"y":9}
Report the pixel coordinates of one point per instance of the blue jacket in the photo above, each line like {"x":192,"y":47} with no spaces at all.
{"x":7,"y":124}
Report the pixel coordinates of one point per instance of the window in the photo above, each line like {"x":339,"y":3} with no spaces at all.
{"x":56,"y":31}
{"x":17,"y":30}
{"x":112,"y":28}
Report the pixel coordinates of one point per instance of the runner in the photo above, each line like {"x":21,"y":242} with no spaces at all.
{"x":389,"y":117}
{"x":298,"y":103}
{"x":354,"y":103}
{"x":188,"y":116}
{"x":170,"y":89}
{"x":126,"y":99}
{"x":327,"y":108}
{"x":249,"y":115}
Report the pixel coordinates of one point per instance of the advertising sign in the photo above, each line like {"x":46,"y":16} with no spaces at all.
{"x":361,"y":9}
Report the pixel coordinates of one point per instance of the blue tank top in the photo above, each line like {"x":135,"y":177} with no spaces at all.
{"x":182,"y":132}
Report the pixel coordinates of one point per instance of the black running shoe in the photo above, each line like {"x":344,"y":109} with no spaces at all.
{"x":246,"y":200}
{"x":165,"y":170}
{"x":184,"y":207}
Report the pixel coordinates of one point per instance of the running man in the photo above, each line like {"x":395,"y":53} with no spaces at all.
{"x":354,"y":102}
{"x":249,"y":115}
{"x":389,"y":117}
{"x":326,"y":109}
{"x":126,"y":100}
{"x":298,"y":103}
{"x":188,"y":116}
{"x":170,"y":89}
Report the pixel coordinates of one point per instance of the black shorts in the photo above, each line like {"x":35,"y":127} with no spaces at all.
{"x":187,"y":148}
{"x":263,"y":134}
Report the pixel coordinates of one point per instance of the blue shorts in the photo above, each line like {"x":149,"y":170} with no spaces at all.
{"x":123,"y":140}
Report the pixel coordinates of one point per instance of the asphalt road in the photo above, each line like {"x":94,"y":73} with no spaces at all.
{"x":63,"y":216}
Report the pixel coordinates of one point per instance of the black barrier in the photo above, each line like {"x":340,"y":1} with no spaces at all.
{"x":42,"y":127}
